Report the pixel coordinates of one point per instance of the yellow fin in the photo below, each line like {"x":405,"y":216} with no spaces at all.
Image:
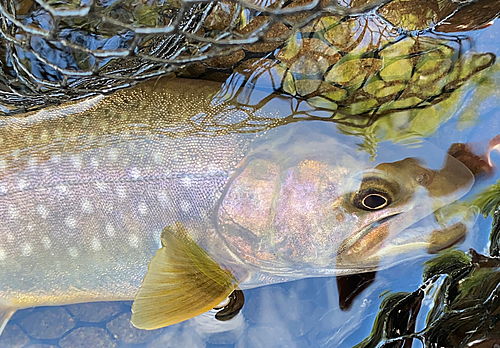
{"x":182,"y":282}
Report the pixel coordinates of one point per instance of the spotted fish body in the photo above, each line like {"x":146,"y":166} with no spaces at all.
{"x":81,"y":213}
{"x":87,"y":189}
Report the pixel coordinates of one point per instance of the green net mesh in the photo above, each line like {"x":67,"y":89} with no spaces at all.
{"x":338,"y":55}
{"x":58,"y":50}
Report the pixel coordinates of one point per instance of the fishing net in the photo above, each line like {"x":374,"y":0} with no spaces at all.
{"x":59,"y":50}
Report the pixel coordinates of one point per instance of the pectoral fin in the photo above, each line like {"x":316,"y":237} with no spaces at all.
{"x":351,"y":286}
{"x":5,"y":314}
{"x":182,"y":282}
{"x":455,"y":220}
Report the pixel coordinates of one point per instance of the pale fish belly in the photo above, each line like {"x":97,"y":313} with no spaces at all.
{"x":82,"y":225}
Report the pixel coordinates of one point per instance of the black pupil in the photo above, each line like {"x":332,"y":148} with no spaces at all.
{"x":374,"y":201}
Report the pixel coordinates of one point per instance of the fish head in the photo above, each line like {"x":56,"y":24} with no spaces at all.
{"x":311,"y":209}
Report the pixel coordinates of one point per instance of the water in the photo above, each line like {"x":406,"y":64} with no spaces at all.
{"x":302,"y":313}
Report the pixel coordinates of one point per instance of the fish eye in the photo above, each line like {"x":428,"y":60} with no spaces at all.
{"x":371,"y":199}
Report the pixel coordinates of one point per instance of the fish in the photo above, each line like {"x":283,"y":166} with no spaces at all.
{"x":137,"y":196}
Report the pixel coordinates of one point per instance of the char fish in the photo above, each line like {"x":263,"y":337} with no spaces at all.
{"x":131,"y":196}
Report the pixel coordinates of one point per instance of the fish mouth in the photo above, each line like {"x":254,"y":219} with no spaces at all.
{"x":364,"y":245}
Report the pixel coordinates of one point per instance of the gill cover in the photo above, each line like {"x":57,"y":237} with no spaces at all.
{"x":312,"y":204}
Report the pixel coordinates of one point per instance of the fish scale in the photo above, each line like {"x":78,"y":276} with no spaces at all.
{"x":72,"y":209}
{"x":96,"y":204}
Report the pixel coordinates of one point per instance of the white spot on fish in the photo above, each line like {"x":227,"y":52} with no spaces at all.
{"x":57,"y":133}
{"x":94,"y":162}
{"x":110,"y":230}
{"x":73,"y":252}
{"x":3,"y":189}
{"x":76,"y":160}
{"x":26,"y":249}
{"x":42,"y":211}
{"x":142,"y":208}
{"x":101,"y":186}
{"x":21,"y":184}
{"x":96,"y":245}
{"x":133,"y":241}
{"x":71,"y":222}
{"x":121,"y":191}
{"x":163,"y":198}
{"x":62,"y":188}
{"x":16,"y":153}
{"x":212,"y":169}
{"x":55,"y":158}
{"x":3,"y":255}
{"x":46,"y":242}
{"x":32,"y":162}
{"x":187,"y":181}
{"x":28,"y":137}
{"x":135,"y":173}
{"x":113,"y":155}
{"x":87,"y":206}
{"x":13,"y":213}
{"x":3,"y":164}
{"x":185,"y":206}
{"x":158,"y":157}
{"x":44,"y":136}
{"x":108,"y":207}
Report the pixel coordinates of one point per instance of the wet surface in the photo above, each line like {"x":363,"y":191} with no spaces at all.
{"x":307,"y":313}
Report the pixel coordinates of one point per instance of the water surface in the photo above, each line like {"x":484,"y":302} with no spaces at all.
{"x":302,"y":313}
